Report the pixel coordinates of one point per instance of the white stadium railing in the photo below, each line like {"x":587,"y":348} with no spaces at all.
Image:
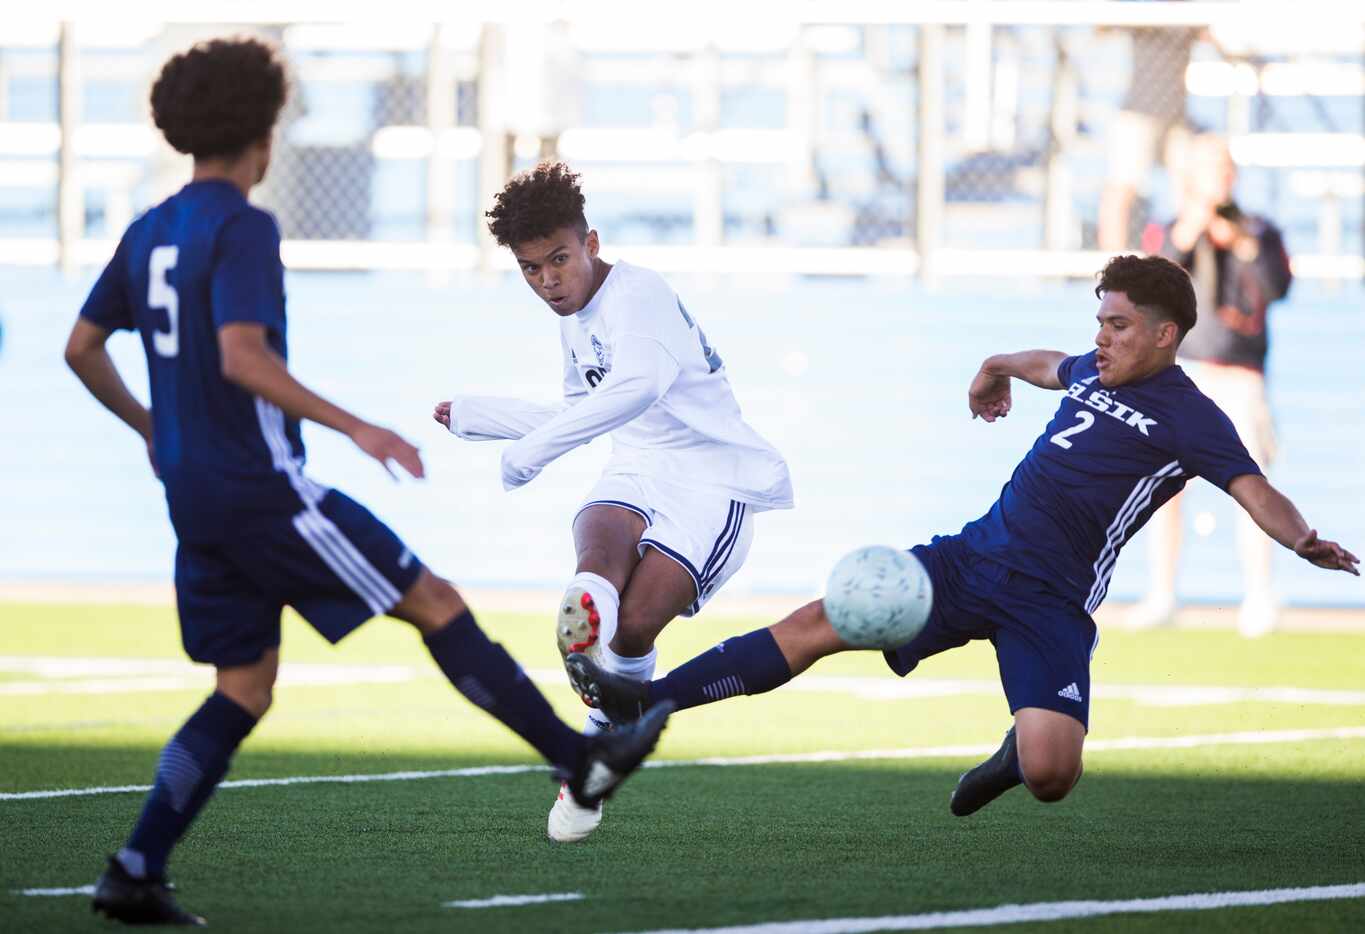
{"x":1314,"y":55}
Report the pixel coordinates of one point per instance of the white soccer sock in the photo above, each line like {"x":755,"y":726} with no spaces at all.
{"x":605,"y":598}
{"x":608,"y":603}
{"x":641,"y":669}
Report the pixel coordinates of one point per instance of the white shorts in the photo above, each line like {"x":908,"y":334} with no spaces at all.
{"x":708,"y":535}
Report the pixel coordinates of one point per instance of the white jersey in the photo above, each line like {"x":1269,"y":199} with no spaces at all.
{"x":636,"y":365}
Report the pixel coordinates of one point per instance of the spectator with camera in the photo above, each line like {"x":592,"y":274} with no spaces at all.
{"x":1239,"y":267}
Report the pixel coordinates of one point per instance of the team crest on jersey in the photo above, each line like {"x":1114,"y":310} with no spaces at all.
{"x":598,"y":349}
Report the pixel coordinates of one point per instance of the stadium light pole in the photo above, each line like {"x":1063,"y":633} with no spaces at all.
{"x":929,"y":187}
{"x":440,"y":94}
{"x":70,"y":202}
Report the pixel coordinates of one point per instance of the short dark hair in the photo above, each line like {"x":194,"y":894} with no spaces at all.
{"x":1153,"y":283}
{"x":535,"y":204}
{"x":219,"y":97}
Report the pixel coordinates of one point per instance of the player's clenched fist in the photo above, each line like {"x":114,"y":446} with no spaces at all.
{"x":989,"y":395}
{"x":442,"y":413}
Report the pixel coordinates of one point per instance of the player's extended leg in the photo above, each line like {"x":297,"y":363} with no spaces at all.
{"x":133,"y":887}
{"x":481,"y":670}
{"x":754,"y":663}
{"x":657,"y":591}
{"x":606,"y":539}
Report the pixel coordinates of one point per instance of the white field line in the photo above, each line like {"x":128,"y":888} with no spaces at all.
{"x":78,"y":890}
{"x":64,"y":675}
{"x":1039,"y":911}
{"x":507,"y":901}
{"x":796,"y":758}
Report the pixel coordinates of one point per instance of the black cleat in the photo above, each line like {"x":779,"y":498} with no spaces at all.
{"x":980,"y":786}
{"x":622,"y":699}
{"x":613,"y":756}
{"x":138,"y":901}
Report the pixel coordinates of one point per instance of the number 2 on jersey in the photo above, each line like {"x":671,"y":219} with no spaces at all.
{"x":1086,"y":420}
{"x":161,"y":294}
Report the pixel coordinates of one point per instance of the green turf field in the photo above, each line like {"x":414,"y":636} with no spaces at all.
{"x":697,"y":845}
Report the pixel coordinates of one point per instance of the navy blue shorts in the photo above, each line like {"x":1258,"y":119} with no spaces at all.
{"x":1043,"y":643}
{"x":335,"y":563}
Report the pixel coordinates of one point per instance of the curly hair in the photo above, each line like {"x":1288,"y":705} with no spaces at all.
{"x":219,"y":97}
{"x":1153,"y":283}
{"x":537,"y":203}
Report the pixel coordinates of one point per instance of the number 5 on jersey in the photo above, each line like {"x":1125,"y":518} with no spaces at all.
{"x":161,"y":294}
{"x":1085,"y":420}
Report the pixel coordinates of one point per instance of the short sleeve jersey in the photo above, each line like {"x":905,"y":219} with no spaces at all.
{"x":1109,"y":458}
{"x":202,"y":259}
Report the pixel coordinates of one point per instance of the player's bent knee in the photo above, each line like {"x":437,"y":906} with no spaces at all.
{"x":1049,"y":785}
{"x":635,"y":633}
{"x":251,"y":688}
{"x":1050,"y":780}
{"x":429,"y":603}
{"x":806,"y":636}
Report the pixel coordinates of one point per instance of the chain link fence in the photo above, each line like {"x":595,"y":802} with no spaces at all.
{"x":817,"y":136}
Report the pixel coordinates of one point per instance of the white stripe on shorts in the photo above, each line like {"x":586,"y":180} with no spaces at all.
{"x":346,"y":561}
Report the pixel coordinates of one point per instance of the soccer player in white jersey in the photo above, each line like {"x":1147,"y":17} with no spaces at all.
{"x":671,"y":519}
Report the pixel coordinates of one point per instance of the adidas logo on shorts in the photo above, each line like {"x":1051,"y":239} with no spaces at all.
{"x":1071,"y":692}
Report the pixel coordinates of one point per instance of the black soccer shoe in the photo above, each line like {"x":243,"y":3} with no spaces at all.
{"x":138,"y":901}
{"x":622,"y":699}
{"x":613,"y":756}
{"x":980,"y":786}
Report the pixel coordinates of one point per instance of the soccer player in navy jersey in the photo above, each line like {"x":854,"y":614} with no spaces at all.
{"x":199,"y":277}
{"x":1131,"y":430}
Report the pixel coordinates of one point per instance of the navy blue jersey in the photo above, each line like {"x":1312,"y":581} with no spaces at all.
{"x":1108,"y":460}
{"x":200,"y":260}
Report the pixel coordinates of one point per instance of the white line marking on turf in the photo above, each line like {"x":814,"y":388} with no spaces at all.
{"x":62,"y":675}
{"x":925,"y":752}
{"x":58,"y":674}
{"x":1152,"y":695}
{"x":505,"y":901}
{"x":79,"y":890}
{"x":1038,"y":911}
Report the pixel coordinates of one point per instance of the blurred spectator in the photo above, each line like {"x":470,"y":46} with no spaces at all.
{"x":1239,"y":266}
{"x":1150,"y":123}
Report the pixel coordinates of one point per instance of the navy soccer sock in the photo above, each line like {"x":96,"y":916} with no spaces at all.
{"x":191,"y":766}
{"x":482,"y":671}
{"x":749,"y":664}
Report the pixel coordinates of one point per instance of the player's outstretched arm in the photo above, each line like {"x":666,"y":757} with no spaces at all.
{"x":250,"y":362}
{"x":643,"y":372}
{"x":90,"y":361}
{"x":1280,"y":519}
{"x":989,"y":395}
{"x":492,"y":418}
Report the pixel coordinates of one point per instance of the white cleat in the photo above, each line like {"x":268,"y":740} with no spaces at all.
{"x":569,"y":821}
{"x":578,"y":625}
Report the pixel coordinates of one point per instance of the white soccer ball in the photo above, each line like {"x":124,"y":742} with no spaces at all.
{"x":878,"y":597}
